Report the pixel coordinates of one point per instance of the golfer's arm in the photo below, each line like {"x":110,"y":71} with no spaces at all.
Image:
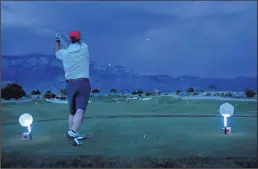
{"x":57,"y":48}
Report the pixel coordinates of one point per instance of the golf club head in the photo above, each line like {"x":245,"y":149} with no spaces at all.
{"x":57,"y":35}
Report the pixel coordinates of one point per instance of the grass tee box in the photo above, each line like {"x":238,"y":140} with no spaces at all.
{"x":104,"y":106}
{"x":151,"y":136}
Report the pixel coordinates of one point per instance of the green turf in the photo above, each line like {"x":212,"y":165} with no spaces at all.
{"x":172,"y":136}
{"x":160,"y":105}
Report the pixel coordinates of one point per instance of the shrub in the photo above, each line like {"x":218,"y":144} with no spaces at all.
{"x":61,"y":97}
{"x":228,"y":94}
{"x":63,"y":92}
{"x":53,"y":95}
{"x":249,"y":93}
{"x":139,"y":92}
{"x":95,"y":91}
{"x":208,"y":94}
{"x":201,"y":91}
{"x":195,"y":93}
{"x":190,"y":90}
{"x":48,"y":91}
{"x":217,"y":94}
{"x":12,"y":91}
{"x":134,"y":93}
{"x":148,"y":94}
{"x":35,"y":92}
{"x":178,"y":92}
{"x":113,"y":91}
{"x":49,"y":95}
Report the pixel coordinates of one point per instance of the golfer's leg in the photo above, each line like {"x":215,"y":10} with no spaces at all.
{"x":71,"y":131}
{"x":77,"y":119}
{"x":71,"y":94}
{"x":72,"y":110}
{"x":82,"y":99}
{"x":71,"y":121}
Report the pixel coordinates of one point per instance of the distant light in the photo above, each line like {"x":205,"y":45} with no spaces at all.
{"x":147,"y":39}
{"x":26,"y":120}
{"x":109,"y":64}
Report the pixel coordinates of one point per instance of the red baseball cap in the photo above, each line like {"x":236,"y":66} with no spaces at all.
{"x":75,"y":34}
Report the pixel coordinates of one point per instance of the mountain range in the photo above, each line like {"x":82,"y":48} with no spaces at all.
{"x":45,"y":72}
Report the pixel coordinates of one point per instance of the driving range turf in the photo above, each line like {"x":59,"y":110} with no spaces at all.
{"x":162,"y":132}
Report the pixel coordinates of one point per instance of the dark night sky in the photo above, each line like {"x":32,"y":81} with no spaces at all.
{"x":207,"y":39}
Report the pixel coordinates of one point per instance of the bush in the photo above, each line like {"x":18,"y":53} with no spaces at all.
{"x":35,"y":92}
{"x":53,"y":95}
{"x":60,"y":97}
{"x":49,"y":92}
{"x":12,"y":91}
{"x":148,"y":94}
{"x":201,"y":91}
{"x":63,"y":92}
{"x":139,"y":92}
{"x":113,"y":91}
{"x":95,"y":91}
{"x":49,"y":95}
{"x":208,"y":94}
{"x":228,"y":94}
{"x":249,"y":93}
{"x":222,"y":94}
{"x":217,"y":94}
{"x":190,"y":90}
{"x":134,"y":93}
{"x":178,"y":92}
{"x":195,"y":93}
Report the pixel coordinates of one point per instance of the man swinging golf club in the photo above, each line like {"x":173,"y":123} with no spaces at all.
{"x":76,"y":67}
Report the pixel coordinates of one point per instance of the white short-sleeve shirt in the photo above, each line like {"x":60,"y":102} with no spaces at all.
{"x":75,"y":61}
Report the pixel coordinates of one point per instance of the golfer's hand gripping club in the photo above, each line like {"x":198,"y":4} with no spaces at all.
{"x":57,"y":48}
{"x":57,"y":37}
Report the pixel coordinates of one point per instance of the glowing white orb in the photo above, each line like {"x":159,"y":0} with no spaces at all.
{"x":226,"y":110}
{"x":25,"y":120}
{"x":147,"y":39}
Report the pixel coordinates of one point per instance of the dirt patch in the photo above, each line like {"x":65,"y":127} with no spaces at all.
{"x":21,"y":161}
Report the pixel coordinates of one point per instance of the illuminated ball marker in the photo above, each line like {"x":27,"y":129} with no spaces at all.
{"x":26,"y":120}
{"x":226,"y":110}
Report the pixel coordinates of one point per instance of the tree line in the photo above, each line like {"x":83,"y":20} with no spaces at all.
{"x":15,"y":91}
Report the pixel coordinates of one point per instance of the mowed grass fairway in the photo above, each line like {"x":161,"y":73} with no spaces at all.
{"x":161,"y":127}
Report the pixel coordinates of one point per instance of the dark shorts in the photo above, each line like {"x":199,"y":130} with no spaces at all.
{"x":78,"y":92}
